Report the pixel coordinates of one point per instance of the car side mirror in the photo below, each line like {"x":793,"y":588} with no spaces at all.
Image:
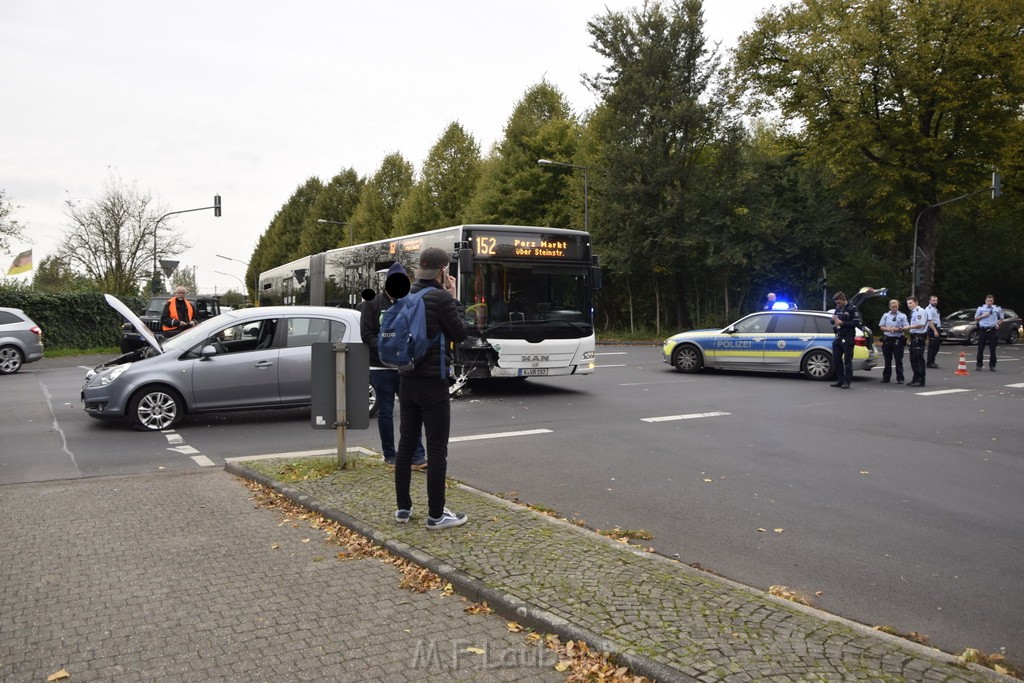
{"x":207,"y":352}
{"x":731,"y":329}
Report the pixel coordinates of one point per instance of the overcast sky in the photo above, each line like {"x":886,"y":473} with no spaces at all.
{"x":249,"y":99}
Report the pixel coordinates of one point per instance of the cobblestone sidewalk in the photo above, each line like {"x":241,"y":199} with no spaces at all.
{"x":665,"y":619}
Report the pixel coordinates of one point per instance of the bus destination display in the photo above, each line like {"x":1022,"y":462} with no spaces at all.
{"x":528,"y":246}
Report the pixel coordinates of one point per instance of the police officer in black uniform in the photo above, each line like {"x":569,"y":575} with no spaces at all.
{"x":845,"y":320}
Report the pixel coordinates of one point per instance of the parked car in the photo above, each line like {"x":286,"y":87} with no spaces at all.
{"x":204,"y":306}
{"x":959,"y":327}
{"x":21,"y":340}
{"x":772,"y":341}
{"x":241,"y":360}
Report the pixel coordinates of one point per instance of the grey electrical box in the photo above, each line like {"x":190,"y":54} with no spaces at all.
{"x":325,"y":377}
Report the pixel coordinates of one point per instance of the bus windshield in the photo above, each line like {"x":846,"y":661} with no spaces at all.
{"x":551,"y":301}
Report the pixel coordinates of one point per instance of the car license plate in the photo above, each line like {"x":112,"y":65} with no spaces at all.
{"x":533,"y":372}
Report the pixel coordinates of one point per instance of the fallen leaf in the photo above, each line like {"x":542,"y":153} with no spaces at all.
{"x":513,"y":627}
{"x":818,"y":594}
{"x":707,"y":481}
{"x":761,"y":530}
{"x":563,"y":665}
{"x":275,"y":546}
{"x":864,"y":472}
{"x":779,"y":530}
{"x":475,"y":650}
{"x":63,"y":673}
{"x":305,"y":540}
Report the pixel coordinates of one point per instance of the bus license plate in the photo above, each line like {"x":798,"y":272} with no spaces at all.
{"x":533,"y":372}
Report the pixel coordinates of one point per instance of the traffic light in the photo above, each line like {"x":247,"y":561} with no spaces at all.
{"x":997,"y":185}
{"x":216,"y":205}
{"x":918,"y":275}
{"x":824,"y":283}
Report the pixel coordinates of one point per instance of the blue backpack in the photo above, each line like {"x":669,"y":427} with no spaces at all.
{"x":402,"y":341}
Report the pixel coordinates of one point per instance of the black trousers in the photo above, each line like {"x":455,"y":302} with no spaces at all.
{"x":917,"y":353}
{"x":892,"y":351}
{"x":987,"y":336}
{"x":424,"y":405}
{"x":933,"y":346}
{"x":842,"y":356}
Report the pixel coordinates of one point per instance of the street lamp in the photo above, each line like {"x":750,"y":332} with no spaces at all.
{"x":255,"y":277}
{"x":240,"y":280}
{"x":585,"y":169}
{"x":156,"y":227}
{"x":324,"y":220}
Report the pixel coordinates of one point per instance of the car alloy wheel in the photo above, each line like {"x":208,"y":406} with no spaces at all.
{"x":373,"y":401}
{"x":972,"y":338}
{"x":818,"y":365}
{"x":10,"y":360}
{"x":1013,"y":336}
{"x":155,"y":409}
{"x":687,"y":358}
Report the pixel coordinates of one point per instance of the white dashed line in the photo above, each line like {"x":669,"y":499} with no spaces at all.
{"x":1020,"y":385}
{"x":691,"y":416}
{"x":184,"y":450}
{"x":941,"y":392}
{"x":499,"y":435}
{"x":203,"y":461}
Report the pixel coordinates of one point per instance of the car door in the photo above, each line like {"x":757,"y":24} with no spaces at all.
{"x":790,"y":335}
{"x":300,"y":333}
{"x":741,"y":346}
{"x":244,"y":371}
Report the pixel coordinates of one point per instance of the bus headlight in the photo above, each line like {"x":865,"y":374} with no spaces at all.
{"x":588,"y":355}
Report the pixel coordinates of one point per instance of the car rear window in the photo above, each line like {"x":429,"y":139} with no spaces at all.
{"x":6,"y":318}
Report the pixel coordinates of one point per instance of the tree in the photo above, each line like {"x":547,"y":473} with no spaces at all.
{"x":907,"y":103}
{"x":513,"y":189}
{"x":280,"y":243}
{"x":335,"y":203}
{"x":449,"y":178}
{"x":655,"y":134}
{"x":54,"y":274}
{"x":9,"y":228}
{"x":111,"y":239}
{"x":374,"y":215}
{"x":184,"y":276}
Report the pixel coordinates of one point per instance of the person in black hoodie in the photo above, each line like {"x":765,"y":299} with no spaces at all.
{"x":423,"y":393}
{"x":384,"y":380}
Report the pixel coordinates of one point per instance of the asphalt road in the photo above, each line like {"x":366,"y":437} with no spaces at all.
{"x":901,"y":507}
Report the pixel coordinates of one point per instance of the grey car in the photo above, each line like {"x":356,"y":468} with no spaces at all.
{"x":21,"y":340}
{"x":240,"y":360}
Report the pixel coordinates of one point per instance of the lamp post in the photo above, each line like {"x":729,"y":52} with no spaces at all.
{"x":324,"y":220}
{"x":240,"y":280}
{"x":585,"y":169}
{"x":255,"y":277}
{"x":156,"y":227}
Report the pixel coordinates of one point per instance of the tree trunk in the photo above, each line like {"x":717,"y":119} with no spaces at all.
{"x":928,"y":240}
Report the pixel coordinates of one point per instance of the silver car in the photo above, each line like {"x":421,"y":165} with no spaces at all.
{"x":21,"y":340}
{"x":239,"y":360}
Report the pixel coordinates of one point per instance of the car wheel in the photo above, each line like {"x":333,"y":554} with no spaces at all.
{"x":373,"y":401}
{"x":817,"y":365}
{"x":687,"y":358}
{"x":1013,"y":336}
{"x":972,"y":338}
{"x":155,"y":408}
{"x":10,"y":360}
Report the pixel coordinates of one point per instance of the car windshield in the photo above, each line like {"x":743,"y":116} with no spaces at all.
{"x":961,"y":315}
{"x":191,"y":336}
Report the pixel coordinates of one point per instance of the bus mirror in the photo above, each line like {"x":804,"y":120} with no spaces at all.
{"x":465,"y":261}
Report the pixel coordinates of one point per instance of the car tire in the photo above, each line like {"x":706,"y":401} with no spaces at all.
{"x":1013,"y":336}
{"x":155,"y":408}
{"x":972,"y":338}
{"x":687,"y":358}
{"x":11,"y":360}
{"x":373,"y":401}
{"x":818,"y":365}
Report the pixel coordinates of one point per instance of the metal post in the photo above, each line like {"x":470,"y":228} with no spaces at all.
{"x":344,"y":462}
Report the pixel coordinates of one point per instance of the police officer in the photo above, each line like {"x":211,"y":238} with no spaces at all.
{"x":989,"y":318}
{"x":893,"y":324}
{"x":934,"y":325}
{"x":918,"y":329}
{"x":845,"y":320}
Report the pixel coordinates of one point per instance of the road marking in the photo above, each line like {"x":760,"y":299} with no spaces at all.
{"x":498,"y":435}
{"x":300,"y":454}
{"x":1020,"y":385}
{"x":643,"y":384}
{"x":203,"y":461}
{"x":602,"y":365}
{"x":173,"y":437}
{"x":185,"y":450}
{"x":612,"y":353}
{"x":691,"y":416}
{"x":941,"y":392}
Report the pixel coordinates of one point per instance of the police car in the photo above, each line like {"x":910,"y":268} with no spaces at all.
{"x":771,"y":341}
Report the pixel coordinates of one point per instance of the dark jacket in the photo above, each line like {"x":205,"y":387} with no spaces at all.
{"x":369,"y":324}
{"x":849,"y":319}
{"x":444,"y":314}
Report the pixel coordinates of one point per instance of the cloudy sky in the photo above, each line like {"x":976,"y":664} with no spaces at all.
{"x":249,"y":99}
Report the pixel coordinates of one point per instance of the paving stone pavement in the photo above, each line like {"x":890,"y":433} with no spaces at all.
{"x":173,"y":577}
{"x":665,"y":619}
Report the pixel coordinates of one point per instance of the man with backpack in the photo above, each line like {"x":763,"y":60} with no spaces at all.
{"x":423,"y":392}
{"x":383,"y":379}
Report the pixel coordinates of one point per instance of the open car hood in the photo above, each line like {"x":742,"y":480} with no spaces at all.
{"x":139,"y":326}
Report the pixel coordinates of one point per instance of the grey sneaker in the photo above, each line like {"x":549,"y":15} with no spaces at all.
{"x":447,"y":520}
{"x":403,"y":516}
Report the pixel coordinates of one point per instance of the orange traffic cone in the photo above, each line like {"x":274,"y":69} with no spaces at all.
{"x":961,"y":369}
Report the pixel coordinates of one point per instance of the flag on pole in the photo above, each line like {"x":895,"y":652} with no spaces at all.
{"x":22,"y":263}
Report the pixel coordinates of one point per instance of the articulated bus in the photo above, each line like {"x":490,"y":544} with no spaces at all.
{"x":528,"y":293}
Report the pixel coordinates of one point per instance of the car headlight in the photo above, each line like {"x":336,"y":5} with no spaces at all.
{"x":110,"y":375}
{"x":960,"y":328}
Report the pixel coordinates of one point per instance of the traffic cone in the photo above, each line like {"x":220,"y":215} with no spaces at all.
{"x":961,"y":369}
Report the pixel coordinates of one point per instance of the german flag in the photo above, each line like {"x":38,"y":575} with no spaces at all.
{"x":22,"y":263}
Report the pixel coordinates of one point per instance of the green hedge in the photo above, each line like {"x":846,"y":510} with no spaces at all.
{"x":74,"y":320}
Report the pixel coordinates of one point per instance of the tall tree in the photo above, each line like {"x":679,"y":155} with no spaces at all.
{"x":374,"y":215}
{"x":513,"y":189}
{"x":655,"y":129}
{"x":449,"y":178}
{"x":334,"y":203}
{"x":9,"y":228}
{"x":279,"y":244}
{"x":907,"y":103}
{"x":184,"y":276}
{"x":111,"y":239}
{"x":54,"y":274}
